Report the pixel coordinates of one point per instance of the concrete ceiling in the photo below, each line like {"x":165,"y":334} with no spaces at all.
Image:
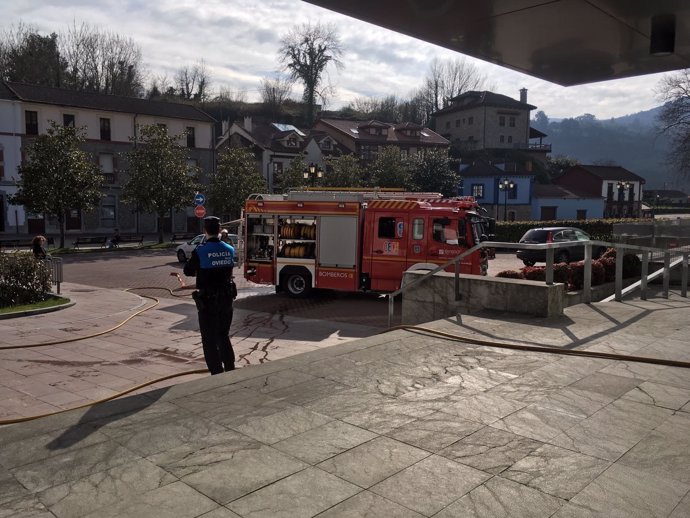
{"x":567,"y":42}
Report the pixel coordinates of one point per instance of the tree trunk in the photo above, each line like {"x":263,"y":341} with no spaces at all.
{"x":61,"y":222}
{"x":160,"y":229}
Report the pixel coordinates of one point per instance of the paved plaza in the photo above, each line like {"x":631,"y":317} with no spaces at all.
{"x":398,"y":424}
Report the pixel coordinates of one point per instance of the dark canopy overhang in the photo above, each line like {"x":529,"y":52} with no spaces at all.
{"x":568,"y":42}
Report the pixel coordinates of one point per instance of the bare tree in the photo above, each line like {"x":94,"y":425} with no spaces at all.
{"x":385,"y":109}
{"x":101,"y":62}
{"x":193,"y":82}
{"x":445,"y":80}
{"x":674,"y":119}
{"x":274,"y":92}
{"x":232,"y":96}
{"x":161,"y":86}
{"x":305,"y":52}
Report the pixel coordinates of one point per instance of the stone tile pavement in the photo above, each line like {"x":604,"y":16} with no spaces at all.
{"x":159,"y":342}
{"x":401,"y":424}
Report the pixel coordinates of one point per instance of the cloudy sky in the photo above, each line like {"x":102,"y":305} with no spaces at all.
{"x":239,"y":39}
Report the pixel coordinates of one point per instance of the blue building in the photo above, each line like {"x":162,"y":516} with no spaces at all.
{"x":553,"y":202}
{"x":506,"y":194}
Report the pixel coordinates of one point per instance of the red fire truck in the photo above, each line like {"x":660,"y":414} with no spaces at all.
{"x":357,"y":241}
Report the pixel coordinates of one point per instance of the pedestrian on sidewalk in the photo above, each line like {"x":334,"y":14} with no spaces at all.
{"x":212,"y":263}
{"x":38,"y":247}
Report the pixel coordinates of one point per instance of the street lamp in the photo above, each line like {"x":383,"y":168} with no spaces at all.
{"x":312,"y":173}
{"x":505,"y":185}
{"x":622,"y":187}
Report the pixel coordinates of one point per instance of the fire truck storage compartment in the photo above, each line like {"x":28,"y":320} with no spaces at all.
{"x":297,"y":237}
{"x":260,"y":246}
{"x":338,"y":241}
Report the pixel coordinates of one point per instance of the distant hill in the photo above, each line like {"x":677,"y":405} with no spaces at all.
{"x":631,"y":141}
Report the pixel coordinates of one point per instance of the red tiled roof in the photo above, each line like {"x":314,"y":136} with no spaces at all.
{"x":351,"y":128}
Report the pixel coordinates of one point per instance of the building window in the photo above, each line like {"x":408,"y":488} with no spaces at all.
{"x":501,"y":120}
{"x":68,"y":120}
{"x":478,"y":190}
{"x":108,"y":205}
{"x":277,"y":167}
{"x":191,"y":137}
{"x":192,"y":165}
{"x":457,"y":123}
{"x":511,"y":122}
{"x":387,"y":228}
{"x":369,"y":152}
{"x":631,"y":192}
{"x":106,"y":161}
{"x":292,"y":142}
{"x":326,"y":144}
{"x":582,"y":214}
{"x":470,"y":120}
{"x":609,"y":192}
{"x":31,"y":120}
{"x":510,"y":139}
{"x":105,"y":129}
{"x":501,"y":139}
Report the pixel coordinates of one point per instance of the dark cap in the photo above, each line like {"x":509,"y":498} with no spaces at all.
{"x":212,"y":225}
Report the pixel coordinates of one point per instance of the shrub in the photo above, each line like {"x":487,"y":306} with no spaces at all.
{"x":632,"y":266}
{"x":576,"y":279}
{"x":561,"y":272}
{"x":598,"y":273}
{"x":609,"y":253}
{"x":598,"y":229}
{"x":510,"y":274}
{"x":609,"y":265}
{"x":534,"y":273}
{"x":23,"y":279}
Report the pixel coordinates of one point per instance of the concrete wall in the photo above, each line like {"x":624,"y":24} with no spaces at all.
{"x":434,"y":298}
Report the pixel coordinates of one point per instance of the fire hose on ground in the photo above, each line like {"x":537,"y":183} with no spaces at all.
{"x":412,"y":328}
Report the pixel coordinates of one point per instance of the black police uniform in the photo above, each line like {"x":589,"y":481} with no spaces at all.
{"x":212,"y":265}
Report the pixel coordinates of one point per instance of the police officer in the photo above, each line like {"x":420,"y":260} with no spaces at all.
{"x":211,"y":264}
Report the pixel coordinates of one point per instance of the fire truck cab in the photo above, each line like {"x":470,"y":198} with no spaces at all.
{"x":353,"y":241}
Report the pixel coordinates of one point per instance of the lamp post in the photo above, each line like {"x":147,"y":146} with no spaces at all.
{"x":622,"y":187}
{"x":505,"y":185}
{"x":312,"y":172}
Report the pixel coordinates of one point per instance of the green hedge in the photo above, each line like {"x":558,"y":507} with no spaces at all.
{"x":23,"y":279}
{"x":599,"y":229}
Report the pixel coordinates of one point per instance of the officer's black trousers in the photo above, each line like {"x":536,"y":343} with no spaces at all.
{"x":214,"y":324}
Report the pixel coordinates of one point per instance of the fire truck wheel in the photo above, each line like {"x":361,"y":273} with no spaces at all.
{"x":296,"y":285}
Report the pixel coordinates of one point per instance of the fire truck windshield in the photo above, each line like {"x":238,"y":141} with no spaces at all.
{"x":480,"y":229}
{"x":448,"y":231}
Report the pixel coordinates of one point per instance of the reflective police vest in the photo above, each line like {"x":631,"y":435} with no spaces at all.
{"x":216,"y":254}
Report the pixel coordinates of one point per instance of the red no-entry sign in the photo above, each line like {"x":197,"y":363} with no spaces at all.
{"x":200,"y":211}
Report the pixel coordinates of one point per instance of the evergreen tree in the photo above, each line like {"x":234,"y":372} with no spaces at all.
{"x":58,"y":176}
{"x":160,"y":180}
{"x":236,"y":177}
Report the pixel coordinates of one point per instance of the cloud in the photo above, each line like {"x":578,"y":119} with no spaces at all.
{"x":239,"y":41}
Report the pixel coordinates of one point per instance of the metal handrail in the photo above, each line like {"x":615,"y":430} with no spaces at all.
{"x":587,"y":281}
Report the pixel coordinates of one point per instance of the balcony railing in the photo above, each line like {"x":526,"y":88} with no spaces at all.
{"x":109,"y":178}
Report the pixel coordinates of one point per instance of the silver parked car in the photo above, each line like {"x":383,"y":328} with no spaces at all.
{"x":184,"y":251}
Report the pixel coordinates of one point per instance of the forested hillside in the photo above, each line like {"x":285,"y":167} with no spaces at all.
{"x":632,"y":141}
